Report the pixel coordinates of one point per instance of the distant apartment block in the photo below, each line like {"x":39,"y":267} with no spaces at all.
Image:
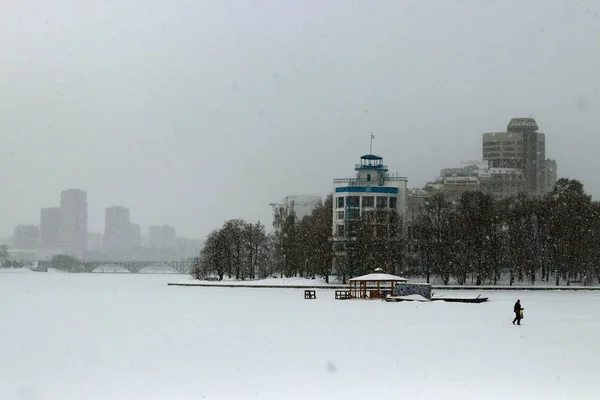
{"x":517,"y":159}
{"x":74,"y":222}
{"x":550,"y":175}
{"x":50,"y":228}
{"x":26,"y":237}
{"x":136,"y":235}
{"x":117,"y":230}
{"x":162,"y":237}
{"x":513,"y":162}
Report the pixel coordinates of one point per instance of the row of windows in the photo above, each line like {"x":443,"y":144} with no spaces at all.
{"x":379,"y":230}
{"x":353,"y":214}
{"x":367,"y":201}
{"x":497,"y":142}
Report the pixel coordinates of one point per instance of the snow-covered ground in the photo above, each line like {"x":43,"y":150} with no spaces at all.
{"x":128,"y":336}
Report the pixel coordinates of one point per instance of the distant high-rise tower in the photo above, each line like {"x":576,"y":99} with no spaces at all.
{"x":550,"y":175}
{"x":136,"y":235}
{"x":117,"y":231}
{"x":73,"y":222}
{"x":50,"y":228}
{"x":521,"y":148}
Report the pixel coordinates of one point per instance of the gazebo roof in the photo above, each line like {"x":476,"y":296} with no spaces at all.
{"x":378,"y":277}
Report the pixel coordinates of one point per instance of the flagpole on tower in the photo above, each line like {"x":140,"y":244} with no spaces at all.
{"x":371,"y":145}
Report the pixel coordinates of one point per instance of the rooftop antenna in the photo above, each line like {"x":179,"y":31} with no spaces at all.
{"x":371,"y":145}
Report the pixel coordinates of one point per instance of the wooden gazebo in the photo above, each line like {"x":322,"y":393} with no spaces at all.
{"x":374,"y":286}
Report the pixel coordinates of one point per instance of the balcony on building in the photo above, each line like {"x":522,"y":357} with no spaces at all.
{"x":367,"y":181}
{"x":370,"y":162}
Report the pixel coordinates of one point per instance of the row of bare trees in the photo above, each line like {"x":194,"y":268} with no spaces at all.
{"x":474,"y":240}
{"x":296,"y":247}
{"x":301,"y":246}
{"x":239,"y":249}
{"x":375,"y":240}
{"x":479,"y":240}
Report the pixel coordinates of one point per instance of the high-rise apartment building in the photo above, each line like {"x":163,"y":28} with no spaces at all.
{"x":517,"y":158}
{"x":136,"y":235}
{"x":117,"y":230}
{"x":550,"y":175}
{"x":50,"y":228}
{"x":73,"y":222}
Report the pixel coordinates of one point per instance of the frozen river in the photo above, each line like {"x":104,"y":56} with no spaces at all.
{"x":113,"y":336}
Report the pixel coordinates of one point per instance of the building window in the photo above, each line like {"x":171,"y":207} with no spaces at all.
{"x":393,"y":202}
{"x":354,"y":214}
{"x":368,"y":201}
{"x":368,"y":215}
{"x":340,"y":215}
{"x":354,"y":201}
{"x":340,"y":202}
{"x":352,"y":229}
{"x":368,"y":177}
{"x":381,"y":202}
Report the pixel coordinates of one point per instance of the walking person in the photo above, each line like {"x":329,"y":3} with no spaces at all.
{"x":518,"y":310}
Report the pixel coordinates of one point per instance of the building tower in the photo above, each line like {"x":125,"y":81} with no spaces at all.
{"x":136,"y":235}
{"x":117,"y":228}
{"x":50,"y":229}
{"x":373,"y":188}
{"x":518,"y":156}
{"x":73,"y":222}
{"x":550,"y":175}
{"x":533,"y":154}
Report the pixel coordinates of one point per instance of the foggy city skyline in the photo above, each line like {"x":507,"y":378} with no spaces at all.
{"x":190,"y":114}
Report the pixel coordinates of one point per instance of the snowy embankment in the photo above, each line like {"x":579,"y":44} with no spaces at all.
{"x":280,"y":283}
{"x":15,"y":270}
{"x":127,"y":336}
{"x":319,"y":283}
{"x":507,"y":287}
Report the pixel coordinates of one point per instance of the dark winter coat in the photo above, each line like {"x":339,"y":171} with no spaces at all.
{"x":517,"y":307}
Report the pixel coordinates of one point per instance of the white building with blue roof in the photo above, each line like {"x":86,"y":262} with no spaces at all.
{"x":371,"y":189}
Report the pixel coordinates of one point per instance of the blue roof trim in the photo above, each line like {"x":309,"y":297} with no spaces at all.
{"x":371,"y":157}
{"x":367,"y":189}
{"x":371,"y":167}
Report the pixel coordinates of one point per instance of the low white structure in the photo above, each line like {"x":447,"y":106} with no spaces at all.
{"x":375,"y":277}
{"x":374,"y":286}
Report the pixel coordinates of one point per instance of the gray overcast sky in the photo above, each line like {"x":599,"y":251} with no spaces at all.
{"x":193,"y":112}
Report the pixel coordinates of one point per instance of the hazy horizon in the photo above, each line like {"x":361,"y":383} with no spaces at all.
{"x":190,"y":113}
